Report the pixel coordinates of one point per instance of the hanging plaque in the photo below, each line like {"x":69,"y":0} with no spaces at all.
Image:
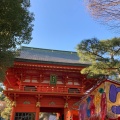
{"x":53,"y":79}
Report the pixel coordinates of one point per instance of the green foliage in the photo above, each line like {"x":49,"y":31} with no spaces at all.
{"x":15,"y":29}
{"x":1,"y":92}
{"x":6,"y":60}
{"x":2,"y":96}
{"x":6,"y":109}
{"x":6,"y":112}
{"x":103,"y":56}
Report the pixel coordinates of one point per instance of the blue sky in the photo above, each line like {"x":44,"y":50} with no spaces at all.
{"x":62,"y":24}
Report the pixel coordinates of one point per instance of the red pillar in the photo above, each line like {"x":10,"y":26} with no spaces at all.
{"x":12,"y":117}
{"x":65,"y":113}
{"x":37,"y":111}
{"x":12,"y":113}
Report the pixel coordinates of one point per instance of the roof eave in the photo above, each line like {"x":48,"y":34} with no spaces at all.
{"x":51,"y":62}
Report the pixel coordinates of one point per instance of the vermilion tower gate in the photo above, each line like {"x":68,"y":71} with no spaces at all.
{"x":43,"y":80}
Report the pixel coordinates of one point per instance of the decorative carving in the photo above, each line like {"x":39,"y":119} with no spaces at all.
{"x":66,"y":98}
{"x":14,"y":103}
{"x":26,"y":102}
{"x":51,"y":103}
{"x":39,"y":97}
{"x":76,"y":104}
{"x":37,"y":104}
{"x":66,"y":105}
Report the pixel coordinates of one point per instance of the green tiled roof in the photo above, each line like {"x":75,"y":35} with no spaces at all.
{"x":48,"y":55}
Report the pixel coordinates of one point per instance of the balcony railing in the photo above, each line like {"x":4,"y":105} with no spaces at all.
{"x":50,"y":89}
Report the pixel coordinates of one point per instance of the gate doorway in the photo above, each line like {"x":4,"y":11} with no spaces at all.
{"x":48,"y":113}
{"x":51,"y":110}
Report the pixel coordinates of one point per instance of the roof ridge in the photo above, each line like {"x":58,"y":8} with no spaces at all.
{"x":48,"y":49}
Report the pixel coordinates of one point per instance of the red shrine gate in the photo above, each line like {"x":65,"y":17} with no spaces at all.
{"x":44,"y":80}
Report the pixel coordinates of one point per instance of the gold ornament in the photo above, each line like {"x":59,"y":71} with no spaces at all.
{"x":38,"y":104}
{"x":66,"y":105}
{"x":14,"y":103}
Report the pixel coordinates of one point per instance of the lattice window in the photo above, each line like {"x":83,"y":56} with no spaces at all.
{"x":73,"y":90}
{"x":30,"y":88}
{"x":24,"y":116}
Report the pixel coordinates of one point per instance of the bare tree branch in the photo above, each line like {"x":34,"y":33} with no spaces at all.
{"x":106,"y":11}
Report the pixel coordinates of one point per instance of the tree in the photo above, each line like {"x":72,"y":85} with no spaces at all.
{"x":7,"y":110}
{"x":103,"y":57}
{"x":1,"y":92}
{"x":107,"y":11}
{"x":5,"y":104}
{"x":15,"y":29}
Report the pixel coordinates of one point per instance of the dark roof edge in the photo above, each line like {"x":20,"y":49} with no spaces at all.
{"x":51,"y":62}
{"x":47,"y":49}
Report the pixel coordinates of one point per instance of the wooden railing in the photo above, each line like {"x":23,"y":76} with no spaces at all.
{"x":53,"y":89}
{"x":50,"y":89}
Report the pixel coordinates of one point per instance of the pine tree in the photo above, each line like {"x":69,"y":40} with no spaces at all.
{"x":103,"y":57}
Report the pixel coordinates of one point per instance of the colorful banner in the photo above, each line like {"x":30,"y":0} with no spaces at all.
{"x":103,"y":103}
